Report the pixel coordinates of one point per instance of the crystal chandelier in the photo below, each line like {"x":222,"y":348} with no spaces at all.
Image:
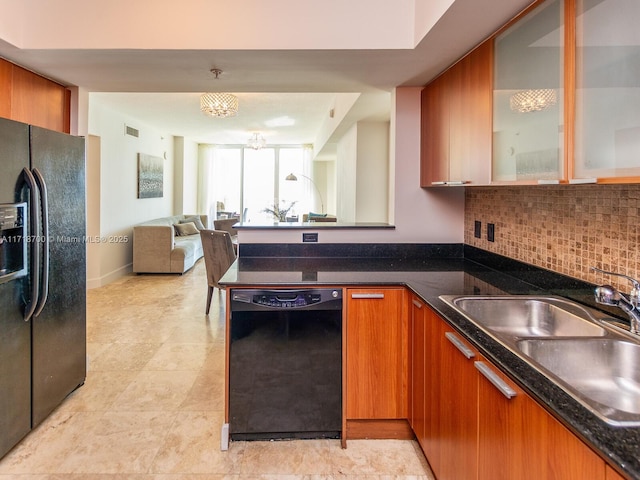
{"x":256,"y":142}
{"x":219,"y":104}
{"x":533,"y":100}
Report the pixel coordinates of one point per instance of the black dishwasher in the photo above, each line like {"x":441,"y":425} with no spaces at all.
{"x":285,"y":364}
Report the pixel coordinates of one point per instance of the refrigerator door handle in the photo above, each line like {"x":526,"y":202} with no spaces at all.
{"x":34,"y":205}
{"x":44,"y":284}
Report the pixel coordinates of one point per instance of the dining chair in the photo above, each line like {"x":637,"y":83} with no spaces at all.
{"x":218,"y":257}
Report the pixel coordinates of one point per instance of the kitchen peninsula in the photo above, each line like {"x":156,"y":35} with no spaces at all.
{"x":310,"y":225}
{"x":424,"y":272}
{"x":312,"y":234}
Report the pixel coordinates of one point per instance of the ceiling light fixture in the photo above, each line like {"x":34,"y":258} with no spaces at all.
{"x":219,"y":104}
{"x":533,"y":100}
{"x":256,"y":142}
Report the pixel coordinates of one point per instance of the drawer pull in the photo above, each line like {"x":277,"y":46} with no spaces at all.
{"x":367,"y":295}
{"x":466,"y":351}
{"x":416,"y":303}
{"x":497,"y":382}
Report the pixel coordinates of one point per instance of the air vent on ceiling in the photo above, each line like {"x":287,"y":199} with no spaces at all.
{"x":131,"y":131}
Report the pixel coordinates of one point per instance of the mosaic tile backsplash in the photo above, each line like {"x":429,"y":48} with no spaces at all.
{"x":564,"y":228}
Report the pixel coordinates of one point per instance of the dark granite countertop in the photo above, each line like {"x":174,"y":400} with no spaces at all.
{"x":433,"y":270}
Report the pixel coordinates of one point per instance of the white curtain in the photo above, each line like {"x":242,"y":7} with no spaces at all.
{"x":206,"y":195}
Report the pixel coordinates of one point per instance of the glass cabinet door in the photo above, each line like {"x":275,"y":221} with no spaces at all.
{"x":528,"y":142}
{"x":607,"y":89}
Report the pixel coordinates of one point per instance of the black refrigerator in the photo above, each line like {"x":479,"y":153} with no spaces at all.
{"x":42,"y":275}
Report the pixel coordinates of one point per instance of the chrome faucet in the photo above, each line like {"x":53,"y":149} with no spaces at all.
{"x":607,"y":295}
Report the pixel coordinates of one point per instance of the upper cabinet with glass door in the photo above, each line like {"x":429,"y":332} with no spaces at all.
{"x":528,"y":124}
{"x":607,"y":135}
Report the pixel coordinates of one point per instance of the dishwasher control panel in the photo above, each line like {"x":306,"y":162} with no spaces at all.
{"x":285,"y":299}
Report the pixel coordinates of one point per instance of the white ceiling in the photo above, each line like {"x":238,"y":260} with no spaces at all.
{"x":161,"y":87}
{"x":281,"y":118}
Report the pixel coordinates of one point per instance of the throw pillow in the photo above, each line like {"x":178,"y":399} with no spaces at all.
{"x":183,"y":229}
{"x":196,"y":221}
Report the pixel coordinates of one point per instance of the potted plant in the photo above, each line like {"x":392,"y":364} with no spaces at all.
{"x":280,"y":212}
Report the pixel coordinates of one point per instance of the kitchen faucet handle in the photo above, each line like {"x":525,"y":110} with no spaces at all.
{"x":635,"y":291}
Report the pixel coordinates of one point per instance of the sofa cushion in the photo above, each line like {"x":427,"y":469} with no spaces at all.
{"x":184,"y":229}
{"x":195,"y":220}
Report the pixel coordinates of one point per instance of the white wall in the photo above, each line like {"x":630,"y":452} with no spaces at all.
{"x":120,"y":207}
{"x":340,"y":107}
{"x":362,"y":164}
{"x":324,"y":176}
{"x":190,"y":178}
{"x":185,"y":191}
{"x":94,"y":261}
{"x":346,"y":167}
{"x":178,"y":174}
{"x":420,"y":215}
{"x":250,"y":24}
{"x":427,"y":13}
{"x":372,"y":175}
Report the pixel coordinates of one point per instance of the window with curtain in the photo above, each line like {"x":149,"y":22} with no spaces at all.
{"x":244,"y":182}
{"x":227,"y":172}
{"x":259,"y":189}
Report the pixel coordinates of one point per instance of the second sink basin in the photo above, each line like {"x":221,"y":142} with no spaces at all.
{"x":569,"y":344}
{"x":602,"y":372}
{"x":521,"y":316}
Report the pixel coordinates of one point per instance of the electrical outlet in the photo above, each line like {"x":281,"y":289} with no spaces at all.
{"x":477,"y":229}
{"x":310,"y":237}
{"x":491,"y":232}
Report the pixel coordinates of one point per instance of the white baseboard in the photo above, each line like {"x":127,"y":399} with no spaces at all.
{"x":109,"y":277}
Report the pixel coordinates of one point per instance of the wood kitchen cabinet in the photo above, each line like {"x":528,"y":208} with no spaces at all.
{"x":611,"y":474}
{"x":434,"y":141}
{"x":30,"y":98}
{"x":519,"y":439}
{"x":377,"y":354}
{"x":451,"y":385}
{"x":456,"y":123}
{"x":471,"y":429}
{"x":551,"y":97}
{"x":418,"y":364}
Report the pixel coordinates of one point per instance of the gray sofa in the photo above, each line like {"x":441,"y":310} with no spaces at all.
{"x":157,"y":248}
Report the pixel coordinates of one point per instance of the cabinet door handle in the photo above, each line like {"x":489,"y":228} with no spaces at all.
{"x":466,"y":351}
{"x":497,"y":382}
{"x":456,"y":182}
{"x":367,"y":295}
{"x":416,"y":303}
{"x":450,"y":182}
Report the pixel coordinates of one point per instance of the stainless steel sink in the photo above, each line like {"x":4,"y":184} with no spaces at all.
{"x":601,"y":372}
{"x":526,"y":316}
{"x":576,"y":347}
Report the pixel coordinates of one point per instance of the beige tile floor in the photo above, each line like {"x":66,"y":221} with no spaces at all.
{"x":152,"y":404}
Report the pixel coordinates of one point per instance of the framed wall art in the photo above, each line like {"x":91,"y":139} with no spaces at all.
{"x":150,"y":176}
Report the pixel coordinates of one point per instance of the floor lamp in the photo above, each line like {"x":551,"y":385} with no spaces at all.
{"x":292,"y":178}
